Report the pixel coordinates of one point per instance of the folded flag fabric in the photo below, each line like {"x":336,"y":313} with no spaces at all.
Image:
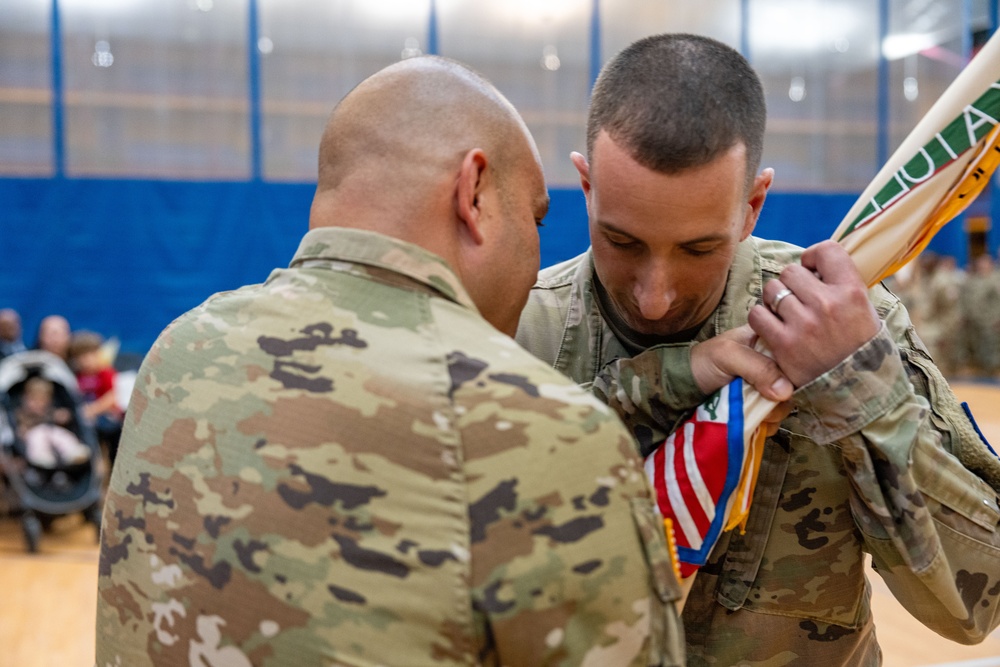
{"x":938,"y":170}
{"x":696,"y":472}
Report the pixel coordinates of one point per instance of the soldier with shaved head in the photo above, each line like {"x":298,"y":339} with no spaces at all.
{"x":354,"y":464}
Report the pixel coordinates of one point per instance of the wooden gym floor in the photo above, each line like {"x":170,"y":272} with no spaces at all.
{"x":47,"y":600}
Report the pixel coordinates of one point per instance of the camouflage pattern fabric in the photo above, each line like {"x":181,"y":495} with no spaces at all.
{"x":878,"y":457}
{"x":346,"y":465}
{"x":979,"y":303}
{"x":941,"y":329}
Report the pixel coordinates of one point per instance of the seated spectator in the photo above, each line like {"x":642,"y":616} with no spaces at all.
{"x":42,"y":428}
{"x":53,"y":336}
{"x":96,"y":379}
{"x":10,"y":333}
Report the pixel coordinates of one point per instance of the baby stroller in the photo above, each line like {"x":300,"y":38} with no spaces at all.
{"x":40,"y":494}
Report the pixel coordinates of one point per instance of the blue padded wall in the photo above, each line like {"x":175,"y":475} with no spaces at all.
{"x":126,"y":257}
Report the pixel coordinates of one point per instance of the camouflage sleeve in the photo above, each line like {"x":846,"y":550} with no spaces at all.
{"x":652,"y":392}
{"x":923,"y":481}
{"x":566,"y":564}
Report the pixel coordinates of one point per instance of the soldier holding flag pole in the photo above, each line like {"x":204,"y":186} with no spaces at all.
{"x":878,"y":457}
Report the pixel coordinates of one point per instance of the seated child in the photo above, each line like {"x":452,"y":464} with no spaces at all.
{"x":47,"y":443}
{"x":96,"y":379}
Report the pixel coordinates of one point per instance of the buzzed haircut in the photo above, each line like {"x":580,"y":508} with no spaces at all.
{"x":451,"y":105}
{"x":677,"y":101}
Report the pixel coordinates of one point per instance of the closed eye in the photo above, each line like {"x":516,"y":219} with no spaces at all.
{"x":619,"y":241}
{"x":697,"y":252}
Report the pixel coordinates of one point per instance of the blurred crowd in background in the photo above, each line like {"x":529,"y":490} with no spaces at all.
{"x":955,"y":311}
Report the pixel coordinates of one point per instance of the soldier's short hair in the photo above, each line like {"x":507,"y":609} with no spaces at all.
{"x":677,"y":101}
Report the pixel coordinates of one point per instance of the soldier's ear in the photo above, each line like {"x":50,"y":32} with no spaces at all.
{"x":583,"y":169}
{"x":755,"y":202}
{"x":469,"y":188}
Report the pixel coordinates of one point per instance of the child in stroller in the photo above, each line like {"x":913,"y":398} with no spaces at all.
{"x":42,"y":428}
{"x":49,"y":455}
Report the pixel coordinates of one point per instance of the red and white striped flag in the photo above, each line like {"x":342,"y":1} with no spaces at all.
{"x":695,"y":473}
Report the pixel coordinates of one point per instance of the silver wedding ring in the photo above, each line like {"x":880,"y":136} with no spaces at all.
{"x":776,"y":301}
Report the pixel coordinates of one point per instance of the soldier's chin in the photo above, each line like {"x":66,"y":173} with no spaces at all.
{"x":658,"y":328}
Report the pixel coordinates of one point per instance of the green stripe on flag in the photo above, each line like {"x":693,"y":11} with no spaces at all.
{"x":957,"y":137}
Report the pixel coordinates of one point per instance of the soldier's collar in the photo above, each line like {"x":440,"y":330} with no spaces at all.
{"x":337,"y":244}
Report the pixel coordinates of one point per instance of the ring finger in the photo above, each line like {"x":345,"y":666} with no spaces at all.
{"x":776,"y":296}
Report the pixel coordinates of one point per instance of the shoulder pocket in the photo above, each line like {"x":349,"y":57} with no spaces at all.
{"x":945,"y":479}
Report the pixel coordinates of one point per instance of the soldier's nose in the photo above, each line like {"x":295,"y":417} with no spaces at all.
{"x":653,"y":295}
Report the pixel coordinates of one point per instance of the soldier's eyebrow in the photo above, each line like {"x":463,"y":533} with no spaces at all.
{"x":707,"y":238}
{"x":615,"y":230}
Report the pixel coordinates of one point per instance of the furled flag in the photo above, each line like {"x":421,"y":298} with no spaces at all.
{"x":696,"y":471}
{"x":704,"y":473}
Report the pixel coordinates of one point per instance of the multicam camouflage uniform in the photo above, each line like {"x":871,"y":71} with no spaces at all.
{"x":941,"y":330}
{"x":347,"y":465}
{"x":867,"y":463}
{"x":979,"y":302}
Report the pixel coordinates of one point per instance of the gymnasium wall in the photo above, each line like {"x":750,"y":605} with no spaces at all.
{"x":153,"y":152}
{"x":124,"y":257}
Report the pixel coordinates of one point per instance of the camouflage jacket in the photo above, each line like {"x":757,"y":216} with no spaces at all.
{"x":979,"y":299}
{"x":878,"y":457}
{"x":346,"y":465}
